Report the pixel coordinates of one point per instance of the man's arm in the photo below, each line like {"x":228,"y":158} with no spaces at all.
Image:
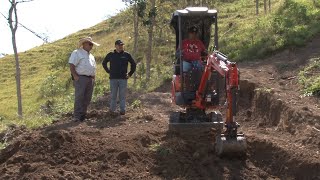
{"x":105,"y":63}
{"x":133,"y":65}
{"x":74,"y":72}
{"x":73,"y":61}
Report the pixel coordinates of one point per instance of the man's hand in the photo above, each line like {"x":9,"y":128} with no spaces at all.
{"x":127,"y":76}
{"x":73,"y":72}
{"x":76,"y":77}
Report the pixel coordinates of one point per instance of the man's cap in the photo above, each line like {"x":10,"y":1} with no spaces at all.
{"x":119,"y":42}
{"x":193,"y":29}
{"x":87,"y":39}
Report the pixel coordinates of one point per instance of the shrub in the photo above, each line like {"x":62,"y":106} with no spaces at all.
{"x":51,"y":87}
{"x":310,"y":79}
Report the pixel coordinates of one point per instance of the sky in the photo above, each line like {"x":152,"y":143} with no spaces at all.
{"x":55,"y":18}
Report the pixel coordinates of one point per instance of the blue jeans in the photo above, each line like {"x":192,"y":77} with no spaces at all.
{"x":187,"y":66}
{"x":118,"y":85}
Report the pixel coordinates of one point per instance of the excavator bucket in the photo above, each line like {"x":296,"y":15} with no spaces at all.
{"x":230,"y":146}
{"x":225,"y":145}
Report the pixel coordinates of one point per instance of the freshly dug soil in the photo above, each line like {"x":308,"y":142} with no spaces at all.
{"x":281,"y":126}
{"x":139,"y":146}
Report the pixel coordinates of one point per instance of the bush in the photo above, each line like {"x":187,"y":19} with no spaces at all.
{"x":101,"y":86}
{"x":310,"y":79}
{"x":51,"y":87}
{"x":136,"y":104}
{"x":292,"y":25}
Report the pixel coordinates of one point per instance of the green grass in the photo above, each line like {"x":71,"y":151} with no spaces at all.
{"x":309,"y":77}
{"x":159,"y":149}
{"x":46,"y":77}
{"x":3,"y":145}
{"x":291,"y":24}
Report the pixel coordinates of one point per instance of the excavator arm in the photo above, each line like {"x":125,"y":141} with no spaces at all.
{"x":219,"y":62}
{"x":230,"y":141}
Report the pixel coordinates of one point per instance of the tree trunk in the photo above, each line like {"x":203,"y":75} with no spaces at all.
{"x":265,"y":6}
{"x":269,"y":6}
{"x":150,"y":41}
{"x":257,"y":7}
{"x":135,"y":38}
{"x":13,"y":23}
{"x":18,"y":82}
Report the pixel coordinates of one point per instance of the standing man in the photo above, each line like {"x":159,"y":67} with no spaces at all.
{"x":83,"y":71}
{"x":118,"y":75}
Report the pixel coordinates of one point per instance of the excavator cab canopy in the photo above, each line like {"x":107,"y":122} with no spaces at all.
{"x":201,"y":17}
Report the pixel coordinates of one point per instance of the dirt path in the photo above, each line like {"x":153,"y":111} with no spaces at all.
{"x":282,"y":130}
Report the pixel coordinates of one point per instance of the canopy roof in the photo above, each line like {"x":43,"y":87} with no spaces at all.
{"x":201,"y":17}
{"x":195,"y":11}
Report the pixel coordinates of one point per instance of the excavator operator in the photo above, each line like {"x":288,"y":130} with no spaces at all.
{"x":192,"y":49}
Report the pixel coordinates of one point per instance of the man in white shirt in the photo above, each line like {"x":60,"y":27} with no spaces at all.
{"x":83,"y":71}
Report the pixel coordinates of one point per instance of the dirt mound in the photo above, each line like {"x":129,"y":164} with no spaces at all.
{"x":277,"y":161}
{"x":267,"y":110}
{"x":139,"y":146}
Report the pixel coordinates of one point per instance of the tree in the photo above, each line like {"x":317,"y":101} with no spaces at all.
{"x":269,"y":5}
{"x":139,"y":7}
{"x":257,"y":7}
{"x":13,"y":24}
{"x":150,"y":22}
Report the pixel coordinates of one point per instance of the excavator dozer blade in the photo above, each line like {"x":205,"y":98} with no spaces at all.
{"x":177,"y":124}
{"x":230,"y":146}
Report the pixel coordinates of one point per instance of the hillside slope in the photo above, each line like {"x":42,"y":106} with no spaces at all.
{"x":46,"y":84}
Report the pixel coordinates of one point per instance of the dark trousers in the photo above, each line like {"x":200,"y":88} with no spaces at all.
{"x":83,"y":95}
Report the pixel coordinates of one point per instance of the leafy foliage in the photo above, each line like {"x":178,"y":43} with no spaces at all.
{"x":51,"y":87}
{"x":309,"y":77}
{"x":136,"y":104}
{"x":290,"y":25}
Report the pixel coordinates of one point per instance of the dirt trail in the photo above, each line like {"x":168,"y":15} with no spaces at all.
{"x":283,"y":138}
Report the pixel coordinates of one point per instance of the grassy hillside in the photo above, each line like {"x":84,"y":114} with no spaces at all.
{"x":46,"y":85}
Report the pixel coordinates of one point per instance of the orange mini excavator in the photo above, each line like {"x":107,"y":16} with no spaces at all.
{"x":204,"y":92}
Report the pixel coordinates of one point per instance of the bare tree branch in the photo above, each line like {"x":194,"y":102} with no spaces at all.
{"x":45,"y":39}
{"x":24,"y":1}
{"x":10,"y":16}
{"x":15,"y":17}
{"x":4,"y":16}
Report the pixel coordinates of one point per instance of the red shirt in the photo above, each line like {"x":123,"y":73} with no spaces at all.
{"x":192,"y":49}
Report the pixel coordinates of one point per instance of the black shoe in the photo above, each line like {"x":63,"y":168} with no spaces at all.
{"x":112,"y":113}
{"x":122,"y":113}
{"x":76,"y":120}
{"x":82,"y":118}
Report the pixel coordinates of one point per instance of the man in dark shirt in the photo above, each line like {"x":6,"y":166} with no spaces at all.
{"x":118,"y":75}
